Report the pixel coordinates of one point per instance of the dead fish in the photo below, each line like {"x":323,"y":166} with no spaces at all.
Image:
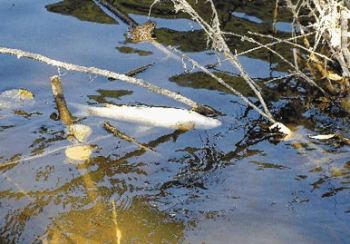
{"x":173,"y":118}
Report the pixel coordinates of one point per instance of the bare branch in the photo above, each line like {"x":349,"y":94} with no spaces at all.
{"x":109,"y":74}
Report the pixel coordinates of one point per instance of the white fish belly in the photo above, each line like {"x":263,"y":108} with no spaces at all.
{"x":156,"y":116}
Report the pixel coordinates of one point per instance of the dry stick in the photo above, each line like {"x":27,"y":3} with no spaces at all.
{"x":344,"y":36}
{"x":287,"y":41}
{"x":218,"y":37}
{"x":295,"y":56}
{"x":135,"y":71}
{"x":57,"y":91}
{"x":275,"y":16}
{"x":313,"y":57}
{"x":340,"y":55}
{"x":227,"y":86}
{"x":279,"y":78}
{"x":106,"y":73}
{"x":117,"y":133}
{"x":271,"y":44}
{"x":296,"y":71}
{"x":218,"y":43}
{"x":139,"y":70}
{"x":340,"y":52}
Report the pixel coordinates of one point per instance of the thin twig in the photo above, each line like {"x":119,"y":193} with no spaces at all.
{"x":117,"y":133}
{"x":287,"y":41}
{"x":139,"y":70}
{"x":214,"y":35}
{"x":227,"y":86}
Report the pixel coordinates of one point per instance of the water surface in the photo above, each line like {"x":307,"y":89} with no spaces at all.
{"x":233,"y":184}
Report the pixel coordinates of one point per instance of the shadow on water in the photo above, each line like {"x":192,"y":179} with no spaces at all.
{"x":85,"y":10}
{"x":215,"y":186}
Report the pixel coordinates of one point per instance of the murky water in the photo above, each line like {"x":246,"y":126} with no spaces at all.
{"x":232,"y":184}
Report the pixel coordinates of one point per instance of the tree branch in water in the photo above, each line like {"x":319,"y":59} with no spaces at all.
{"x":109,"y":74}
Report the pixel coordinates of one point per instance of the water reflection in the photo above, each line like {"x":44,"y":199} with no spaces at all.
{"x":86,"y":196}
{"x":193,"y":186}
{"x":200,"y":80}
{"x":140,"y":223}
{"x":195,"y":40}
{"x":109,"y":96}
{"x":85,"y":10}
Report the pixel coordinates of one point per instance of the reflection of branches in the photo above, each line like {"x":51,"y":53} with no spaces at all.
{"x":18,"y":219}
{"x":40,"y":199}
{"x":251,"y":137}
{"x":105,"y":164}
{"x":208,"y":158}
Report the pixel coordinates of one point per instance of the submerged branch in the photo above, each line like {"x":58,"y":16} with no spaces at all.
{"x":57,"y":91}
{"x":117,"y":133}
{"x":138,"y":70}
{"x":123,"y":17}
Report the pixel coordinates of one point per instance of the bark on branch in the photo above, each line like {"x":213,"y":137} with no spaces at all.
{"x":57,"y":91}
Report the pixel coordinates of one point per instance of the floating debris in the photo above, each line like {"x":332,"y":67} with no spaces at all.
{"x":79,"y":152}
{"x":79,"y":131}
{"x":322,"y":137}
{"x":15,"y":98}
